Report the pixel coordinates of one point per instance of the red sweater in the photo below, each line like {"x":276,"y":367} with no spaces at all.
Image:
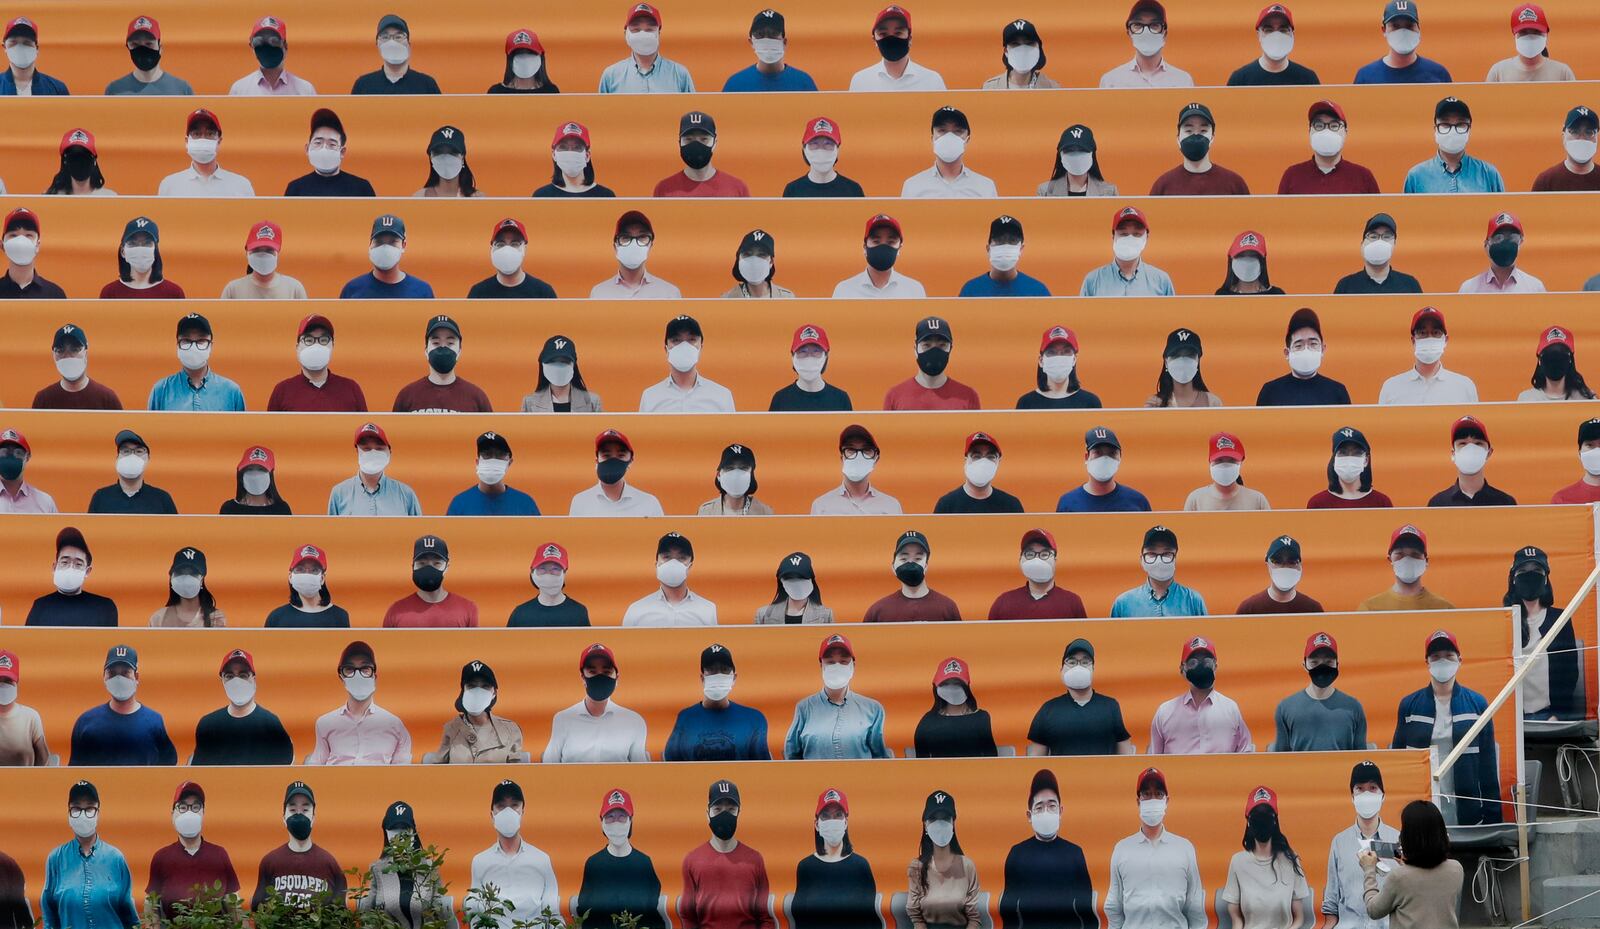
{"x":1580,"y":492}
{"x":951,"y":395}
{"x":161,"y":290}
{"x":1325,"y":500}
{"x":175,"y":874}
{"x":453,"y":612}
{"x":898,"y":608}
{"x":1059,"y":603}
{"x":298,"y":395}
{"x":722,"y":184}
{"x":1347,"y":177}
{"x":1217,"y":182}
{"x":725,"y":891}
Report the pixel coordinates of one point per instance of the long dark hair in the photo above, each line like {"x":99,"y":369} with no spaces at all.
{"x":939,"y":702}
{"x":468,"y":187}
{"x":1575,"y":381}
{"x":125,"y":270}
{"x":782,"y":595}
{"x":1232,"y":280}
{"x":1547,"y":597}
{"x":1043,"y":382}
{"x":62,"y":182}
{"x":577,"y":376}
{"x":748,"y":494}
{"x":1058,"y":170}
{"x":542,"y":75}
{"x":557,"y":178}
{"x":1280,"y":843}
{"x":845,"y":848}
{"x":327,"y":598}
{"x":1164,"y":382}
{"x":272,"y":488}
{"x":1424,"y":840}
{"x":1333,"y":476}
{"x":1007,"y":64}
{"x":925,"y":854}
{"x":208,"y":603}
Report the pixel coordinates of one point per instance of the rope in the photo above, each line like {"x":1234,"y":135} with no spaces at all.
{"x":1567,"y":773}
{"x":1563,"y":906}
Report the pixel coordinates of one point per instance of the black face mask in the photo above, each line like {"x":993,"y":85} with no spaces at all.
{"x":611,"y":470}
{"x":1529,"y":585}
{"x":881,"y":257}
{"x":894,"y":48}
{"x":933,"y":361}
{"x":1323,"y":675}
{"x":1201,"y":677}
{"x":270,"y":56}
{"x":1194,"y":147}
{"x":695,"y":154}
{"x":11,"y":468}
{"x":299,"y":826}
{"x":427,"y":578}
{"x":910,"y":573}
{"x":442,"y":359}
{"x":1503,"y":254}
{"x":724,"y":824}
{"x":144,"y":58}
{"x":1263,"y":825}
{"x":1555,"y":363}
{"x":78,"y":163}
{"x":600,"y":687}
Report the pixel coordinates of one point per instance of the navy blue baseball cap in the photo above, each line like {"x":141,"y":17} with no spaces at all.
{"x":1100,"y":435}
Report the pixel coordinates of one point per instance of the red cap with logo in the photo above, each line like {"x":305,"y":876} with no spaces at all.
{"x":1261,"y":796}
{"x":1148,"y":775}
{"x":1469,"y":424}
{"x":82,"y":138}
{"x":835,"y":641}
{"x":1427,"y":312}
{"x":893,"y":12}
{"x":1408,"y":530}
{"x":23,"y":216}
{"x":10,"y":668}
{"x":616,"y":799}
{"x":1321,"y":640}
{"x":642,"y":9}
{"x":1042,"y":536}
{"x":833,"y":796}
{"x":523,"y":40}
{"x":1198,"y":644}
{"x":596,"y":650}
{"x":258,"y":456}
{"x":1556,"y":335}
{"x":509,"y":223}
{"x":883,"y":219}
{"x":314,"y":321}
{"x":189,"y":787}
{"x":952,"y":669}
{"x":1441,"y":635}
{"x":550,"y":553}
{"x":1248,"y":241}
{"x":1529,"y":16}
{"x":202,"y":115}
{"x":13,"y":437}
{"x":1276,"y":9}
{"x":265,"y":234}
{"x":145,"y":24}
{"x":977,"y":437}
{"x":373,"y":431}
{"x":1058,"y":334}
{"x":1503,"y":221}
{"x":1129,"y":214}
{"x":612,"y":435}
{"x":309,"y":553}
{"x":237,"y":654}
{"x":22,"y":22}
{"x":271,"y":24}
{"x":822,"y":128}
{"x":571,"y":131}
{"x":1225,"y":445}
{"x":809,"y":335}
{"x":1326,"y":106}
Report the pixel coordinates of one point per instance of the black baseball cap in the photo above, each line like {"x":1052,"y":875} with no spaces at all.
{"x":194,"y":321}
{"x":1401,"y":9}
{"x":1196,"y":109}
{"x":1076,"y":138}
{"x":1180,"y":341}
{"x":1588,"y":430}
{"x":1380,"y":219}
{"x":389,"y":223}
{"x":737,"y":454}
{"x":759,"y":240}
{"x":1282,"y":545}
{"x":142,"y":224}
{"x":188,"y":560}
{"x":474,"y":669}
{"x":325,"y":118}
{"x":1531,"y":555}
{"x":122,"y":654}
{"x":1160,"y":534}
{"x":949,"y":114}
{"x":70,"y":536}
{"x":442,"y":322}
{"x":696,"y":121}
{"x":939,"y":805}
{"x":69,"y":334}
{"x":399,"y":815}
{"x":1005,"y":227}
{"x":1100,"y":435}
{"x":1351,"y":434}
{"x":912,"y":536}
{"x":1581,"y":114}
{"x":687,"y":324}
{"x":493,"y":441}
{"x":714,"y":655}
{"x":430,"y":545}
{"x":298,"y":789}
{"x":768,"y":20}
{"x":448,"y":138}
{"x":936,"y":328}
{"x":128,"y":435}
{"x":1078,"y":645}
{"x":723,"y":790}
{"x":556,"y":347}
{"x":796,"y":564}
{"x":1365,"y":772}
{"x":674,"y":540}
{"x":1019,"y":29}
{"x":1452,"y":105}
{"x":83,"y":790}
{"x":506,"y":790}
{"x":1303,"y":318}
{"x":393,"y":20}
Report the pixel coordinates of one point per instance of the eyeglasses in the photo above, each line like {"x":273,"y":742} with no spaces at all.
{"x":202,"y":344}
{"x":1163,"y":557}
{"x":850,"y":454}
{"x":325,"y":142}
{"x":1581,"y":133}
{"x":310,"y":340}
{"x":349,"y":672}
{"x":1152,"y":28}
{"x":79,"y":813}
{"x":1042,"y":556}
{"x":646,"y":239}
{"x":188,"y":808}
{"x":1379,"y":237}
{"x":1078,"y":663}
{"x":1324,"y":124}
{"x":1458,"y":128}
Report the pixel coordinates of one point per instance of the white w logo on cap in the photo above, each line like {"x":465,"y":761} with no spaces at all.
{"x":757,"y":236}
{"x":736,"y":449}
{"x":448,"y":132}
{"x":1007,"y":219}
{"x":429,"y":541}
{"x":1100,"y":433}
{"x":399,"y":809}
{"x":121,"y":651}
{"x":794,"y":560}
{"x":1183,"y":335}
{"x":68,"y":329}
{"x":1285,"y":540}
{"x":1020,"y":24}
{"x":490,"y":436}
{"x":188,"y":553}
{"x":1530,"y":552}
{"x":386,"y":220}
{"x":1347,"y":432}
{"x":695,"y":118}
{"x":932,"y":322}
{"x":723,"y":787}
{"x":560,"y":343}
{"x":1582,"y":111}
{"x":939,"y":798}
{"x":1077,"y":133}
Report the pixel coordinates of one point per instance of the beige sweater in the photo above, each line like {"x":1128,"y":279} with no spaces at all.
{"x":1416,"y":898}
{"x":951,"y":900}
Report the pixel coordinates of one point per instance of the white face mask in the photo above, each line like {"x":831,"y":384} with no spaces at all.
{"x":1127,"y":247}
{"x":1326,"y":142}
{"x":809,"y":368}
{"x":262,"y":263}
{"x":1148,"y":43}
{"x":1403,"y":41}
{"x":507,"y":259}
{"x":22,"y":56}
{"x":1152,"y":812}
{"x":1183,"y":369}
{"x":1004,"y":257}
{"x":735,"y":481}
{"x":1367,"y":803}
{"x":1045,"y":824}
{"x":1225,"y":473}
{"x":1305,"y":361}
{"x":549,"y":582}
{"x":716,"y":687}
{"x":187,"y":586}
{"x":683,"y":356}
{"x":1246,"y":268}
{"x":832,"y":830}
{"x":193,"y":359}
{"x":558,"y":373}
{"x":121,"y":688}
{"x":981,"y":472}
{"x":1077,"y":678}
{"x":755,"y":268}
{"x":447,"y":166}
{"x":256,"y":482}
{"x":1590,"y":458}
{"x":21,"y":250}
{"x":797,"y":588}
{"x":240,"y":690}
{"x":187,"y":823}
{"x":1038,"y":570}
{"x":857,"y":469}
{"x":507,"y":822}
{"x":1470,"y":459}
{"x":1409,"y":570}
{"x":643,"y":42}
{"x":941,"y":832}
{"x":8,"y":694}
{"x":492,"y":470}
{"x":306,"y":585}
{"x":201,"y":151}
{"x":632,"y":255}
{"x":1284,"y":579}
{"x":672,"y":573}
{"x":131,"y":467}
{"x":1531,"y":46}
{"x":361,"y":688}
{"x":1277,"y":45}
{"x":1077,"y":164}
{"x":315,"y":357}
{"x":571,"y":163}
{"x":141,"y":258}
{"x":1058,"y":367}
{"x":949,"y":147}
{"x":1377,"y":251}
{"x":1444,"y":670}
{"x":1580,"y":150}
{"x":372,"y":461}
{"x":1451,"y":142}
{"x":837,"y":676}
{"x":1161,"y":571}
{"x":384,"y":257}
{"x":394,"y":52}
{"x":617,"y":832}
{"x":526,"y":64}
{"x":1349,"y":467}
{"x":69,"y":580}
{"x":1022,"y":57}
{"x":476,"y":699}
{"x":325,"y":160}
{"x":768,"y":51}
{"x":822,"y":159}
{"x":1428,"y":350}
{"x":71,"y":369}
{"x":1103,"y":468}
{"x":953,"y":694}
{"x":85,"y":825}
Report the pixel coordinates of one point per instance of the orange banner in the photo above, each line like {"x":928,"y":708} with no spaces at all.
{"x":819,"y":241}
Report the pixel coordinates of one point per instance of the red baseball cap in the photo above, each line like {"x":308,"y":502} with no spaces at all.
{"x":1427,"y":312}
{"x":1413,"y":532}
{"x":892,"y":12}
{"x":237,"y":654}
{"x":22,"y":22}
{"x":1441,"y":635}
{"x":572,"y":131}
{"x":977,"y":437}
{"x":372,"y":430}
{"x":1261,"y":796}
{"x":883,"y":219}
{"x":642,"y":9}
{"x":809,"y":335}
{"x":145,"y":24}
{"x":10,"y":667}
{"x":265,"y":234}
{"x":952,"y":669}
{"x":509,"y":223}
{"x":202,"y":114}
{"x":630,"y":218}
{"x":82,"y":138}
{"x":611,"y":435}
{"x":1042,"y":536}
{"x":822,"y":128}
{"x":259,"y":456}
{"x":1276,"y":9}
{"x":833,"y":796}
{"x":23,"y":215}
{"x":835,"y":641}
{"x":271,"y":24}
{"x":1469,"y":423}
{"x":1225,"y":445}
{"x":15,"y":438}
{"x":856,"y":431}
{"x":1325,"y":106}
{"x":523,"y":40}
{"x":550,"y":553}
{"x":1198,"y":644}
{"x":596,"y":650}
{"x":1058,"y":334}
{"x":1320,"y":640}
{"x":312,"y":322}
{"x":1148,"y":775}
{"x":1126,"y":214}
{"x":1248,"y":241}
{"x":1556,"y":335}
{"x":189,"y":787}
{"x":1529,"y":16}
{"x":1503,"y":221}
{"x":309,"y":553}
{"x":616,"y":799}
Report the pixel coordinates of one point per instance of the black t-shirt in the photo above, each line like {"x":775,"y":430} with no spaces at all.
{"x":290,"y":616}
{"x":278,"y":507}
{"x":613,"y":886}
{"x":792,"y":399}
{"x":840,"y":186}
{"x":548,"y":88}
{"x":998,"y":501}
{"x":531,"y":288}
{"x":147,"y":500}
{"x":552,"y":190}
{"x":1065,"y":728}
{"x":343,"y":184}
{"x":969,"y":736}
{"x":1253,"y":75}
{"x":568,"y":612}
{"x":1395,"y":283}
{"x":1081,"y":400}
{"x":37,"y":289}
{"x":220,"y":738}
{"x":835,"y":894}
{"x":1315,"y":390}
{"x":412,"y":82}
{"x":1273,"y":291}
{"x":81,"y":609}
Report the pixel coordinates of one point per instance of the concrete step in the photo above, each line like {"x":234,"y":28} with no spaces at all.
{"x":1572,"y":902}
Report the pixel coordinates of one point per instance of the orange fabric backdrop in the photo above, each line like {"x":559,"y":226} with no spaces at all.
{"x":779,"y":800}
{"x":1260,"y":131}
{"x":1313,"y":243}
{"x":380,"y":345}
{"x":462,"y":44}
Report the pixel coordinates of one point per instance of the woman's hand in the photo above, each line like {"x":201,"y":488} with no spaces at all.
{"x":1368,"y":859}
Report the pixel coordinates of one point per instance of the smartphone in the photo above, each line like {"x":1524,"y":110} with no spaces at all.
{"x":1385,"y":849}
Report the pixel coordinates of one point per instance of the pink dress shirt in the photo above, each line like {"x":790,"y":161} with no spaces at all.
{"x":1212,"y":727}
{"x":376,"y":737}
{"x":27,"y":499}
{"x":1517,"y":282}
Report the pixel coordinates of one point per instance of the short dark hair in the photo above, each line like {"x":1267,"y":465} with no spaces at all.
{"x":1423,"y":836}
